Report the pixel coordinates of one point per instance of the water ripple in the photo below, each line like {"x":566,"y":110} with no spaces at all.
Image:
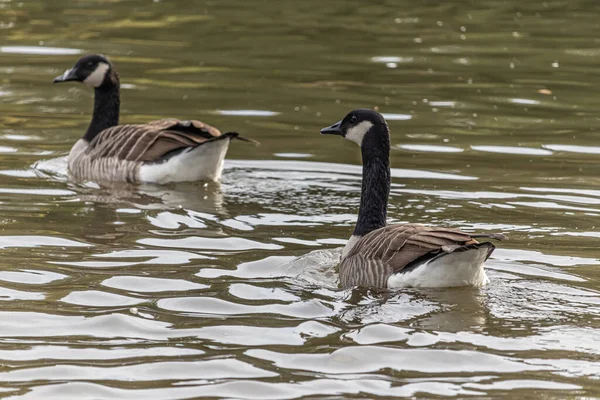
{"x":231,"y":290}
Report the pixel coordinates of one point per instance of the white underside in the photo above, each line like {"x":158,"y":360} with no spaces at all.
{"x":464,"y":268}
{"x":202,"y":163}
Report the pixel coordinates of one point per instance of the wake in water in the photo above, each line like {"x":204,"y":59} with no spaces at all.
{"x":319,"y":267}
{"x":54,"y":168}
{"x":198,"y":196}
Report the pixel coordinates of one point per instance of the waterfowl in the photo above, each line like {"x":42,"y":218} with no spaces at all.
{"x":167,"y":150}
{"x":400,"y":255}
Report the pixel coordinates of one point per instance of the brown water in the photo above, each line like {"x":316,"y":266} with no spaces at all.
{"x":188,"y":290}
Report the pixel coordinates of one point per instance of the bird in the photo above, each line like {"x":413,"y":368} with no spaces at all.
{"x":384,"y":256}
{"x":161,"y":151}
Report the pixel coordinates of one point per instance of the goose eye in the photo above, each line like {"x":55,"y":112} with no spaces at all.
{"x":353,"y":119}
{"x":90,"y":64}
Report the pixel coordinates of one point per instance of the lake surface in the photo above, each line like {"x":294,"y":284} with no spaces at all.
{"x":191,"y":290}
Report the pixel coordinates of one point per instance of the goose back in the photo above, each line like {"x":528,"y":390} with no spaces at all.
{"x":150,"y":142}
{"x":397,"y":248}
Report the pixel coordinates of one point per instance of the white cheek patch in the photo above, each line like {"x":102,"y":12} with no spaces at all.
{"x":357,"y":132}
{"x":96,"y":78}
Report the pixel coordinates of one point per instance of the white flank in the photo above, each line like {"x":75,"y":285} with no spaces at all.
{"x":96,"y":78}
{"x":79,"y":147}
{"x":74,"y":155}
{"x":463,"y":268}
{"x":204,"y":162}
{"x":358,"y":132}
{"x":350,"y":244}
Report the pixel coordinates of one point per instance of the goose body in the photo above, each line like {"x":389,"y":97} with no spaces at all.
{"x":400,"y":255}
{"x":162,"y":151}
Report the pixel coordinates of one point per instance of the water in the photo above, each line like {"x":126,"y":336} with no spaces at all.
{"x":193,"y":290}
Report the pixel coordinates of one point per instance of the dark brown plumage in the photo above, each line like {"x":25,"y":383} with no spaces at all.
{"x":150,"y":142}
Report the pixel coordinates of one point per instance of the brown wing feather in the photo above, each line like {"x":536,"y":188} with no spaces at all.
{"x":151,"y":141}
{"x":394,"y":247}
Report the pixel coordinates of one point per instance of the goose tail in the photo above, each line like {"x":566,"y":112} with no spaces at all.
{"x":495,"y":236}
{"x":235,"y":135}
{"x":462,"y":266}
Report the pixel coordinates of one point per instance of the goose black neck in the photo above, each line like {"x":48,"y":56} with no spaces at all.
{"x":106,"y":109}
{"x":375,"y":181}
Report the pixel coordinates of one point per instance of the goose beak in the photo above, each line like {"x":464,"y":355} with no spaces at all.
{"x":69,"y":75}
{"x":334,"y":129}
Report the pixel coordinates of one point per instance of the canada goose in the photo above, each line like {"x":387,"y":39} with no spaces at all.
{"x":167,"y":150}
{"x":400,"y":255}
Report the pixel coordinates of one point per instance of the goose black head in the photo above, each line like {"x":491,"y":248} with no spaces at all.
{"x":357,"y":124}
{"x":93,"y":70}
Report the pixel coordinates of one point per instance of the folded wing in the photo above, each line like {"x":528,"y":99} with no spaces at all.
{"x":397,"y":248}
{"x":152,"y":141}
